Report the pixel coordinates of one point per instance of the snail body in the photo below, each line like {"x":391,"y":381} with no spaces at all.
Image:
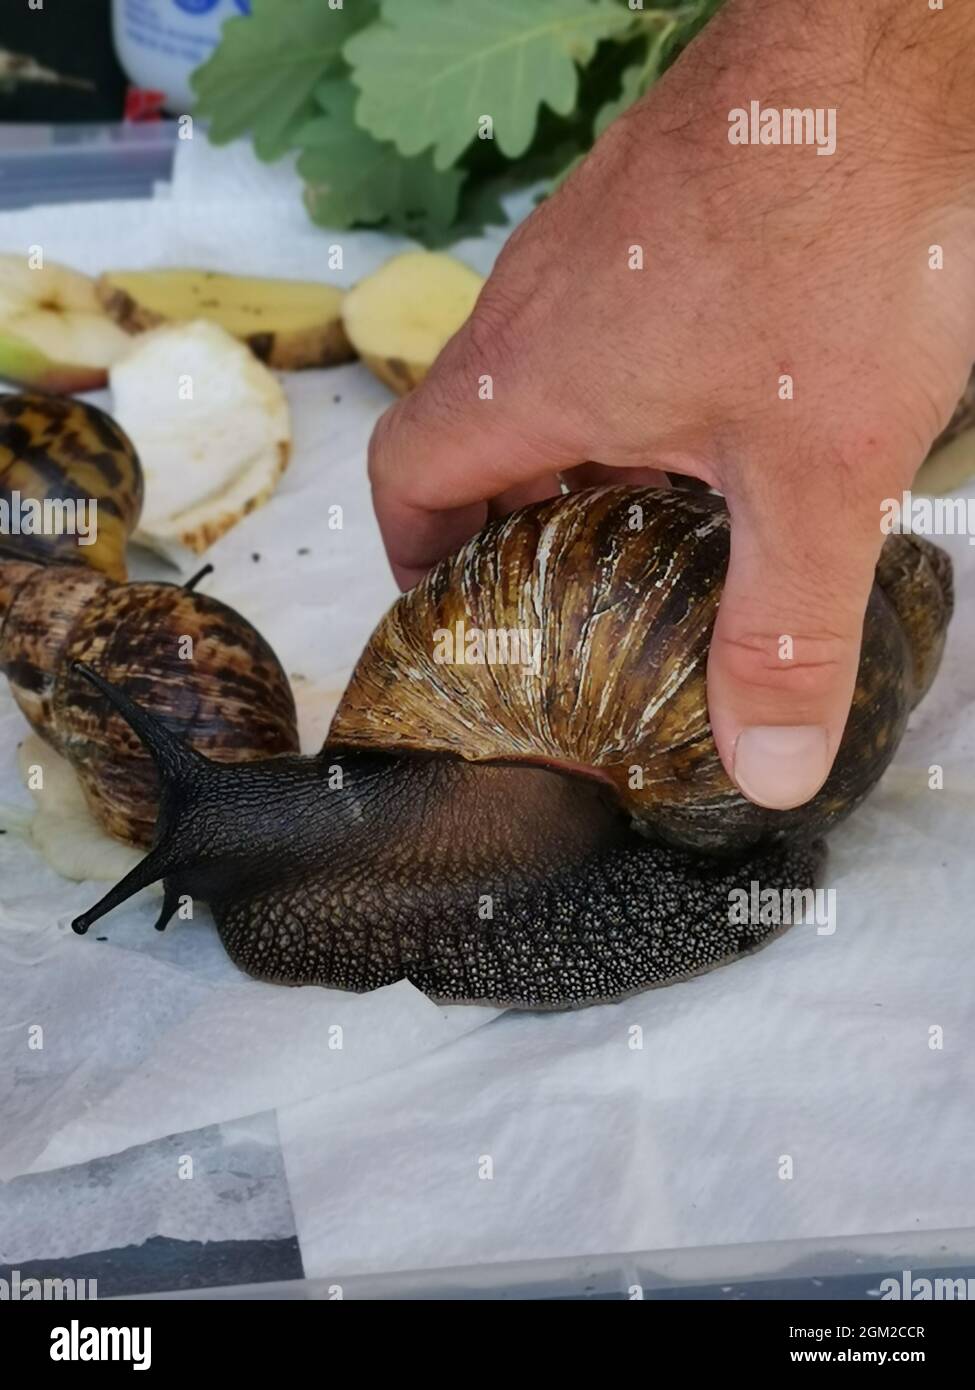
{"x":480,"y":829}
{"x":71,"y":459}
{"x":189,"y":659}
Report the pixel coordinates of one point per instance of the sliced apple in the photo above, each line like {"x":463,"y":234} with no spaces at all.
{"x":212,"y":429}
{"x":54,"y":334}
{"x":400,"y":317}
{"x":289,"y":324}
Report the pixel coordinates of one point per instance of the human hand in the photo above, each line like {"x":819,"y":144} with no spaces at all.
{"x":786,"y":340}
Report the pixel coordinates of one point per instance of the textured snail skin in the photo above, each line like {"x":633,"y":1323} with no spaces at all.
{"x":53,"y":448}
{"x":232,"y":700}
{"x":438,"y":849}
{"x":581,"y":909}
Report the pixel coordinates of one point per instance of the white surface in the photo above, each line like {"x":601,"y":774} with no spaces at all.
{"x":817,"y":1048}
{"x":236,"y":1193}
{"x":147,"y":1035}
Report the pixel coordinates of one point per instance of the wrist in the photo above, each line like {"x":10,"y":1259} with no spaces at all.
{"x":913,"y":67}
{"x":895,"y":78}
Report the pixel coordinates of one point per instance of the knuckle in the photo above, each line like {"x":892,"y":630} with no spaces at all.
{"x":381,"y":446}
{"x":488,"y":331}
{"x":514,"y":245}
{"x":806,"y":666}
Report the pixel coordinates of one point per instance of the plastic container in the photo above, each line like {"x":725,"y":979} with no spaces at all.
{"x":827,"y":1269}
{"x":46,"y":164}
{"x":83,"y":163}
{"x":160,"y":42}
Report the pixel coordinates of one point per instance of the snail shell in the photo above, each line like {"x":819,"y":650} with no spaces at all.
{"x":621,"y":587}
{"x":56,"y":450}
{"x":191,"y":660}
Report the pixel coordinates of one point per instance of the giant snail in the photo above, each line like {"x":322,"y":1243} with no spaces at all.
{"x":535,"y":836}
{"x":544,"y":832}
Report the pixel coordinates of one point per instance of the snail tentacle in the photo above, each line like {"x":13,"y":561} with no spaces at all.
{"x":171,"y":901}
{"x":173,"y":757}
{"x":147,"y":872}
{"x":195,"y":579}
{"x":175,"y":761}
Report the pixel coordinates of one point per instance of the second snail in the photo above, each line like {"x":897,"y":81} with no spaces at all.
{"x":546,"y":833}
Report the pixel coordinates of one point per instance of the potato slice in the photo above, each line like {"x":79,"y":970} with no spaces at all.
{"x":400,"y":317}
{"x":288,"y":324}
{"x":211,"y":426}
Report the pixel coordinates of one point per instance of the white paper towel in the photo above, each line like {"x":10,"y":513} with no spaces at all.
{"x":222,"y":1183}
{"x":429,"y":1139}
{"x":147,"y":1035}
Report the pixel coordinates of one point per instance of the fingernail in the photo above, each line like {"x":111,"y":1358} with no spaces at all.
{"x":780,"y":766}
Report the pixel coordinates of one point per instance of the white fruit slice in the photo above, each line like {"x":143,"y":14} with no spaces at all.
{"x":54,"y":334}
{"x":62,"y":828}
{"x":288,"y":324}
{"x":211,"y":426}
{"x":400,"y":317}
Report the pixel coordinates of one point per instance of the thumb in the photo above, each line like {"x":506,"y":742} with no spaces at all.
{"x":786,"y":643}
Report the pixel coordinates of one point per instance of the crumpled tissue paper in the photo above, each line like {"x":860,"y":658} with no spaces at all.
{"x":801,"y":1092}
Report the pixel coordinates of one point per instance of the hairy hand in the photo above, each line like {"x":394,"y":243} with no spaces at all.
{"x":763,"y":317}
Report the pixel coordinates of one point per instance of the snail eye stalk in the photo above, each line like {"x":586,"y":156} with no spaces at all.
{"x":174,"y":758}
{"x":177,"y":764}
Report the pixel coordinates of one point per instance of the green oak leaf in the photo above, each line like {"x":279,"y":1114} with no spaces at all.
{"x":667,"y":33}
{"x":479,"y":207}
{"x":263,"y":72}
{"x":353,"y":179}
{"x":431,"y":68}
{"x":559,"y":179}
{"x":633,"y":85}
